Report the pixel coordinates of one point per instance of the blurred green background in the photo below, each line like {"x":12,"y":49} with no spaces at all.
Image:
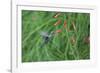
{"x":70,"y":44}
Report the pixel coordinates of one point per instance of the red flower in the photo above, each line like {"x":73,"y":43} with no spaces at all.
{"x":58,"y":31}
{"x":57,"y":23}
{"x":56,"y":15}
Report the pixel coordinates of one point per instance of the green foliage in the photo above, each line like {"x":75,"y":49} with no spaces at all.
{"x":66,"y":45}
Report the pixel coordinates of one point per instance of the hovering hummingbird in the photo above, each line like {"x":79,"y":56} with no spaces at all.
{"x":47,"y":37}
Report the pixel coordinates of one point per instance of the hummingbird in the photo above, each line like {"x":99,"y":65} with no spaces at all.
{"x":47,"y":37}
